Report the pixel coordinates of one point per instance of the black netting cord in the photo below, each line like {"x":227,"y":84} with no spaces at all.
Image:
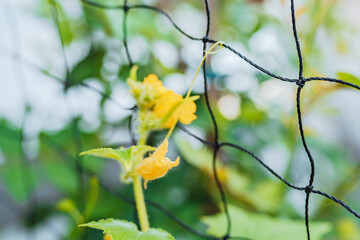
{"x":301,"y":83}
{"x":126,"y":11}
{"x":215,"y":144}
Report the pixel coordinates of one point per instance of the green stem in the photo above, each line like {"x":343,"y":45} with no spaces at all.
{"x":138,"y":191}
{"x":140,"y":203}
{"x":143,"y":138}
{"x":219,"y":43}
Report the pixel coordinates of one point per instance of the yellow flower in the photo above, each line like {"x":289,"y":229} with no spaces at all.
{"x":147,"y":92}
{"x":107,"y":237}
{"x":157,"y":165}
{"x":171,"y":109}
{"x":160,"y":107}
{"x":155,"y":85}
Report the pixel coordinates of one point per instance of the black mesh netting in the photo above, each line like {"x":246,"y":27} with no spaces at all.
{"x":216,"y":144}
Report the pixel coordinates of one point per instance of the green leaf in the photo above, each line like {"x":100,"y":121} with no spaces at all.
{"x":89,"y":67}
{"x":263,"y":227}
{"x":155,"y":234}
{"x":122,"y":155}
{"x":67,"y":32}
{"x":348,"y":78}
{"x":117,"y":229}
{"x":15,"y":178}
{"x":126,"y":156}
{"x":61,"y":175}
{"x":123,"y":230}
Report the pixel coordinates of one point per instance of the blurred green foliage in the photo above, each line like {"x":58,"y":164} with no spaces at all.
{"x":260,"y":204}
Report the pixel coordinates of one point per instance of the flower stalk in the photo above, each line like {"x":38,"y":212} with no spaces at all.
{"x":139,"y":194}
{"x":210,"y":51}
{"x":140,"y":203}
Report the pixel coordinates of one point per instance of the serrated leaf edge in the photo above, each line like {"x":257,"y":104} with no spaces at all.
{"x":95,"y":225}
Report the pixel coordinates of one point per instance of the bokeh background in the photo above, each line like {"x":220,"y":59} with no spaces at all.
{"x":44,"y":193}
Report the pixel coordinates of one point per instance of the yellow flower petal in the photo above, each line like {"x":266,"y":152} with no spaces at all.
{"x":170,"y":103}
{"x":187,"y":112}
{"x":157,"y":165}
{"x":157,"y":168}
{"x":152,"y":79}
{"x":155,"y":85}
{"x":146,"y":93}
{"x":165,"y":104}
{"x":107,"y":237}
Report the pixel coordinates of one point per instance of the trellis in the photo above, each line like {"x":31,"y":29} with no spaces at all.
{"x":216,"y":144}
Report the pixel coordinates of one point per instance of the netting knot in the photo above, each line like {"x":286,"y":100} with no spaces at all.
{"x":205,"y":39}
{"x":309,"y":188}
{"x":126,"y":8}
{"x":216,"y":145}
{"x":301,"y":82}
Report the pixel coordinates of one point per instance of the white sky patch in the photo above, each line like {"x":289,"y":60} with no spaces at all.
{"x":297,"y":199}
{"x":191,"y":52}
{"x":227,"y":63}
{"x":31,"y":148}
{"x":167,"y":53}
{"x":241,"y":82}
{"x":73,"y":8}
{"x":274,"y":93}
{"x":113,"y":136}
{"x":176,"y":82}
{"x":196,"y":144}
{"x":54,"y":228}
{"x":115,"y":111}
{"x":139,"y":50}
{"x":277,"y":156}
{"x":229,"y":106}
{"x":190,"y":19}
{"x":85,"y":102}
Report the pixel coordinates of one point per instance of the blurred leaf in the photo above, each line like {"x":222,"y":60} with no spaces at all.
{"x":19,"y":181}
{"x":89,"y":67}
{"x":98,"y":19}
{"x":12,"y":180}
{"x":123,"y":230}
{"x":9,"y":141}
{"x":263,"y":196}
{"x":348,"y":78}
{"x":62,"y":176}
{"x":262,"y":227}
{"x":68,"y":206}
{"x":250,"y":113}
{"x":67,"y":34}
{"x":93,"y":197}
{"x":347,"y":229}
